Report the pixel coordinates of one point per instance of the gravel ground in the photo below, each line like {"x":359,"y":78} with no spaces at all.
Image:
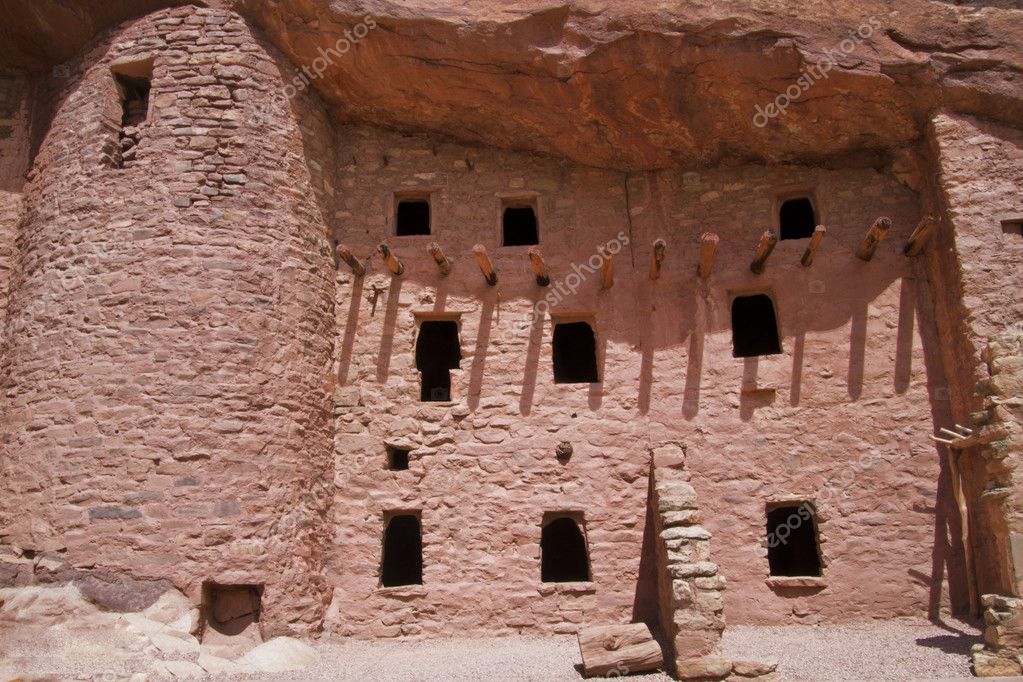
{"x":891,"y":650}
{"x":883,"y":650}
{"x":504,"y":659}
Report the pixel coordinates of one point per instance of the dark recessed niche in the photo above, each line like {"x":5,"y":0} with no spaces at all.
{"x":797,"y":219}
{"x":1013,"y":226}
{"x":519,"y":226}
{"x":231,"y":609}
{"x":437,"y":353}
{"x":793,"y":548}
{"x":133,"y":82}
{"x":754,"y":327}
{"x":574,"y":353}
{"x":412,"y":217}
{"x":402,"y":557}
{"x":563,"y":556}
{"x":397,"y":459}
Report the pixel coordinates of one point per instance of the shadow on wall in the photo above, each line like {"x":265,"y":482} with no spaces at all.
{"x":847,"y":288}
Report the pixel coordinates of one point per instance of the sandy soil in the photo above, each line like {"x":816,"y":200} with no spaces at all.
{"x":916,"y":650}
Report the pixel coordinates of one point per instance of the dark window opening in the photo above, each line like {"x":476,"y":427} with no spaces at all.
{"x":1013,"y":226}
{"x":796,"y":219}
{"x":519,"y":226}
{"x":231,"y":609}
{"x":754,"y":327}
{"x":397,"y":459}
{"x":134,"y":93}
{"x":413,"y":217}
{"x":575,"y":354}
{"x":563,"y":553}
{"x":402,"y":562}
{"x":792,"y":548}
{"x":437,"y":352}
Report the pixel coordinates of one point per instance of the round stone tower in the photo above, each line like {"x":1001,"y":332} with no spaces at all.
{"x":166,"y":360}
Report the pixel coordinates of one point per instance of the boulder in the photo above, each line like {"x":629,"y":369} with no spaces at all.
{"x":177,"y":670}
{"x":176,"y":645}
{"x":174,"y":610}
{"x":40,"y":605}
{"x":754,"y":669}
{"x":280,"y":654}
{"x":707,"y":667}
{"x":991,"y":664}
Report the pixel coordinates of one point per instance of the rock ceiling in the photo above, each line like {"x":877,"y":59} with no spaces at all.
{"x":618,"y":84}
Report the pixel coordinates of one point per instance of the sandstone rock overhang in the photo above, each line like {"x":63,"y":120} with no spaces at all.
{"x":621,"y":84}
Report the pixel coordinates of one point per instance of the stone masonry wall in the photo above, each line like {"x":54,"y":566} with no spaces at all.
{"x":690,"y":589}
{"x":981,"y":174}
{"x":840,"y":418}
{"x":14,"y":133}
{"x":166,"y":367}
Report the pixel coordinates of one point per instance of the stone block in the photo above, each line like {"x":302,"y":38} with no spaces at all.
{"x":704,"y":668}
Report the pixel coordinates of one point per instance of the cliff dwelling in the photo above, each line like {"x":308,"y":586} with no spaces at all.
{"x":562,"y":339}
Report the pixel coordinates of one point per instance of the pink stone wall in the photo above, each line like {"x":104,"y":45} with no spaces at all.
{"x":14,"y":133}
{"x":166,"y":367}
{"x":981,"y":172}
{"x":176,"y":330}
{"x":841,"y":417}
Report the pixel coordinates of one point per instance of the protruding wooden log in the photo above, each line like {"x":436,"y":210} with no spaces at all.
{"x":764,"y":249}
{"x":708,"y":246}
{"x":486,"y":266}
{"x":543,"y":278}
{"x":345,"y":254}
{"x":921,"y":235}
{"x":811,"y":248}
{"x":607,"y":269}
{"x":618,"y":649}
{"x":874,"y":236}
{"x":657,"y":259}
{"x":438,"y":256}
{"x":392,"y":263}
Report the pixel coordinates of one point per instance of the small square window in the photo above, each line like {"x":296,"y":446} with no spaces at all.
{"x":574,"y":353}
{"x":402,"y":556}
{"x":519,"y":225}
{"x":412,"y":216}
{"x":563,"y":555}
{"x":1013,"y":226}
{"x":397,"y":459}
{"x":230,"y":609}
{"x":797,"y":219}
{"x":754,"y":327}
{"x":793,"y":546}
{"x":438,"y":351}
